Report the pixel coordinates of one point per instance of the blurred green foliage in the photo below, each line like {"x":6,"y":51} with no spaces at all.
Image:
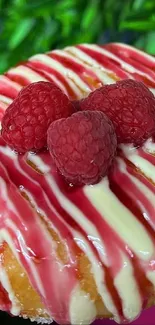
{"x":31,"y":26}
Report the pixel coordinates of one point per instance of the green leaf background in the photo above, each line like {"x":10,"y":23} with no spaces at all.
{"x":31,"y":26}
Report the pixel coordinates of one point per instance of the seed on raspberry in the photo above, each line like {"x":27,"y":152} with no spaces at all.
{"x":26,"y":120}
{"x":82,"y":146}
{"x":131,"y":107}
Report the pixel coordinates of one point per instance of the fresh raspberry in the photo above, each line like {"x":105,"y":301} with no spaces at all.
{"x":131,"y":107}
{"x":82,"y":146}
{"x":76,"y":104}
{"x":26,"y":120}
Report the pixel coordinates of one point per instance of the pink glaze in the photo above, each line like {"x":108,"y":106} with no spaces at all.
{"x":34,"y":247}
{"x":146,"y":318}
{"x":128,"y":52}
{"x":110,"y":63}
{"x":134,"y":60}
{"x":82,"y":71}
{"x":37,"y":250}
{"x":19,"y":79}
{"x":10,"y":92}
{"x":5,"y":303}
{"x":48,"y":72}
{"x":115,"y":66}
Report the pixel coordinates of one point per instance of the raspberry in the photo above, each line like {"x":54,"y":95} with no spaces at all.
{"x":82,"y":146}
{"x":131,"y":107}
{"x":26,"y":120}
{"x":76,"y":105}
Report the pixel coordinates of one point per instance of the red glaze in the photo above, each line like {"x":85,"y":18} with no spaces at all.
{"x":85,"y":74}
{"x":5,"y":303}
{"x":110,"y":63}
{"x":48,"y":73}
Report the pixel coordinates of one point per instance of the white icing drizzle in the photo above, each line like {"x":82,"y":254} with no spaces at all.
{"x":4,"y":280}
{"x":27,"y":73}
{"x":127,"y":67}
{"x":72,"y":79}
{"x":98,"y":274}
{"x":101,"y":193}
{"x":131,"y":298}
{"x":5,"y":100}
{"x":135,"y":50}
{"x":145,"y":166}
{"x":82,"y":308}
{"x":6,"y":82}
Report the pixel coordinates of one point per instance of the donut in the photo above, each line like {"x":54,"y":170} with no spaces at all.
{"x":76,"y":255}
